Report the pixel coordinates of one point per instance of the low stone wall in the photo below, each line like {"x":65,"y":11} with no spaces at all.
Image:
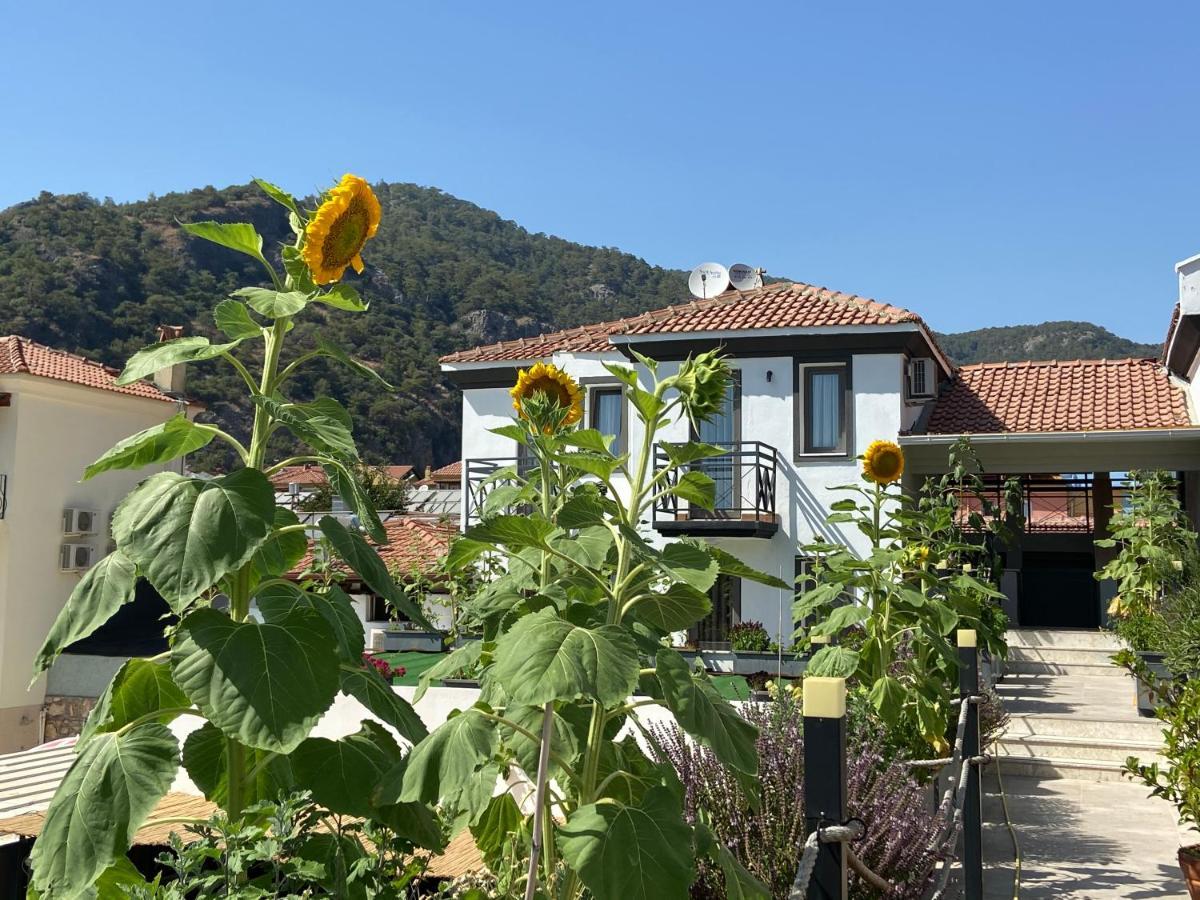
{"x":65,"y":715}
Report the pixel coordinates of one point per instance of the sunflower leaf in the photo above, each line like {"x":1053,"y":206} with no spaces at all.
{"x":239,"y":236}
{"x":279,"y":195}
{"x":342,"y":296}
{"x":234,"y":320}
{"x":273,"y":304}
{"x":168,"y":353}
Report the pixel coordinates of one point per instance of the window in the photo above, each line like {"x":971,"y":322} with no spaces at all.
{"x":806,"y":568}
{"x":824,"y":409}
{"x":726,"y":597}
{"x":607,"y":415}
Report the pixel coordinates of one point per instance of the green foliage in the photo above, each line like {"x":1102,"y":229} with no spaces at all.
{"x":1156,"y":548}
{"x":750,"y":636}
{"x":1049,"y":340}
{"x":259,"y":687}
{"x":1179,"y":781}
{"x":574,"y":623}
{"x":914,"y":588}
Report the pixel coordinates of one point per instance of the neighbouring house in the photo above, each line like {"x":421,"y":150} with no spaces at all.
{"x":412,"y":550}
{"x":439,"y":493}
{"x":820,"y":374}
{"x":296,"y":484}
{"x":58,"y":413}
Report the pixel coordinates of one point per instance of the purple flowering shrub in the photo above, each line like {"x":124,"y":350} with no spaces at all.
{"x":897,"y":810}
{"x":382,"y":666}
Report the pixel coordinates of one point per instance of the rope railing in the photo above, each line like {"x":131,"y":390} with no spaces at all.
{"x":828,"y":834}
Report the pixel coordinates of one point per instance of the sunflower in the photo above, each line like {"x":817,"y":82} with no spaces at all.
{"x":548,"y":379}
{"x":335,"y":235}
{"x":883,"y":462}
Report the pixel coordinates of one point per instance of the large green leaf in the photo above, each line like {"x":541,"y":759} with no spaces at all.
{"x":273,"y":304}
{"x":176,"y":437}
{"x":280,"y":552}
{"x":887,"y":696}
{"x":464,"y":657}
{"x":705,"y":715}
{"x":264,"y":685}
{"x":362,"y":558}
{"x":239,"y":236}
{"x":344,"y":774}
{"x":370,"y":689}
{"x":114,"y":783}
{"x":679,"y":607}
{"x":235,"y":321}
{"x":631,"y":852}
{"x":333,"y":351}
{"x":696,"y":488}
{"x":514,"y":532}
{"x":445,"y":764}
{"x":728,"y":564}
{"x":499,"y":824}
{"x":833,"y":662}
{"x":544,"y":657}
{"x":276,"y":601}
{"x":104,"y":588}
{"x":683,"y":454}
{"x":168,"y":353}
{"x":205,"y":756}
{"x":279,"y":195}
{"x":343,"y":296}
{"x":186,"y":534}
{"x":740,"y":884}
{"x":140,"y":687}
{"x":689,"y":563}
{"x":345,"y":484}
{"x":525,"y":750}
{"x":323,"y":424}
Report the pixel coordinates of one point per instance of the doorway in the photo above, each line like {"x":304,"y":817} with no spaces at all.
{"x":1058,"y":590}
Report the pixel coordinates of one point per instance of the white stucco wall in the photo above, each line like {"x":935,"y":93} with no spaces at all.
{"x":804,"y":488}
{"x":49,"y":434}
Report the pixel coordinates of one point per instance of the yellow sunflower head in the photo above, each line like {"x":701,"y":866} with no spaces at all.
{"x":337,"y":231}
{"x":547,"y":396}
{"x":883,"y":462}
{"x":920,"y":555}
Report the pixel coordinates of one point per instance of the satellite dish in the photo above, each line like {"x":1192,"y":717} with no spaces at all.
{"x":744,"y":278}
{"x":708,"y":280}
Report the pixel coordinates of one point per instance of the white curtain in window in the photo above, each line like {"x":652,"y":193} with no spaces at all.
{"x":825,"y":417}
{"x":608,"y":413}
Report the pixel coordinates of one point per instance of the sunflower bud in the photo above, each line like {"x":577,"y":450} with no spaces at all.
{"x":702,"y":382}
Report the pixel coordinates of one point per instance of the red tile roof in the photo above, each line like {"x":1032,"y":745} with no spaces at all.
{"x":21,"y":356}
{"x":313,"y":474}
{"x":781,"y":305}
{"x":1077,"y":395}
{"x":447,"y":474}
{"x":412,"y":545}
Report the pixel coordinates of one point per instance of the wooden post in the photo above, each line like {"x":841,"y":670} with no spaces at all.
{"x":968,"y":686}
{"x":825,"y":780}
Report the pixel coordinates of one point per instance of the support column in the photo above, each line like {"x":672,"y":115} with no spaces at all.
{"x":825,"y":781}
{"x":1102,"y":503}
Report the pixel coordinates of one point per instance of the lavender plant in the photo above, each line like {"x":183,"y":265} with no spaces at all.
{"x":894,"y":806}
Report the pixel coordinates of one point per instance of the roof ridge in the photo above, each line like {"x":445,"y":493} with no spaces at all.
{"x":1083,"y":361}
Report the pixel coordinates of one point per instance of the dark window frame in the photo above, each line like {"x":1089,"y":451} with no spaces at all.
{"x":620,"y":445}
{"x":805,"y":372}
{"x":701,"y":632}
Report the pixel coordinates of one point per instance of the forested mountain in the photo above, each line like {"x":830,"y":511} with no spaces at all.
{"x":99,"y":277}
{"x":1050,"y":340}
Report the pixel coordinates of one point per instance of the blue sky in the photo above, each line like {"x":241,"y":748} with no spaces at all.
{"x":983,"y":164}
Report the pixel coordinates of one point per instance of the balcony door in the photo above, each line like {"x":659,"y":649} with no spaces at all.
{"x":724,"y":430}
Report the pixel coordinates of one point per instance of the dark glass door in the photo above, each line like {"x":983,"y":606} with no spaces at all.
{"x":722,"y":430}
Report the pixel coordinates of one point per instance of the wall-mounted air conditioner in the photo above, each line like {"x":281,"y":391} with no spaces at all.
{"x":75,"y":557}
{"x":80,"y":521}
{"x":922,"y":377}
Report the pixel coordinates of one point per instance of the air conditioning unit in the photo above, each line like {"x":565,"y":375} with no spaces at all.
{"x":75,"y":557}
{"x":80,"y":521}
{"x":922,"y":377}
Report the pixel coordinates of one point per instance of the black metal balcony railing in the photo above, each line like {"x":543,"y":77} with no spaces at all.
{"x":744,"y":478}
{"x":484,"y":476}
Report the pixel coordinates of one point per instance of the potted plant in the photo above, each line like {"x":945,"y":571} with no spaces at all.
{"x":1178,"y":781}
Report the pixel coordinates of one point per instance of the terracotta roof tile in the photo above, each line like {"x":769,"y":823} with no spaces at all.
{"x":1075,"y":395}
{"x":412,"y":545}
{"x":311,"y":474}
{"x":21,"y":356}
{"x":452,"y":472}
{"x":781,"y":305}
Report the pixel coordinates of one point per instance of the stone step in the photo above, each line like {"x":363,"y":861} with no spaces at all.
{"x":1086,"y":670}
{"x":1066,"y":655}
{"x":1073,"y":638}
{"x":1050,"y":746}
{"x":1127,"y":729}
{"x":1045,"y":767}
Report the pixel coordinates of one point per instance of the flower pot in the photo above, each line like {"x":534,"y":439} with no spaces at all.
{"x":747,"y":662}
{"x":1189,"y":863}
{"x":1147,"y":697}
{"x":460,"y":682}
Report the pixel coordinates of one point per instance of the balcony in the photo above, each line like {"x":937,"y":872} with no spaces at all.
{"x":745,"y":477}
{"x":485,"y":475}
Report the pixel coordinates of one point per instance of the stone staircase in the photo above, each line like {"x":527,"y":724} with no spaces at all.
{"x":1073,"y":713}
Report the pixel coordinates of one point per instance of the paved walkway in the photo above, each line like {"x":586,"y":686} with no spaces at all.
{"x":1081,"y":837}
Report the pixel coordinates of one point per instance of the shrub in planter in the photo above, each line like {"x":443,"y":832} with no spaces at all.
{"x":1179,"y":781}
{"x":385,"y":669}
{"x":767,"y":841}
{"x":749,"y":636}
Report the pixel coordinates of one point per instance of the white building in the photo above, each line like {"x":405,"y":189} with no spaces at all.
{"x":821,"y":374}
{"x":58,"y":413}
